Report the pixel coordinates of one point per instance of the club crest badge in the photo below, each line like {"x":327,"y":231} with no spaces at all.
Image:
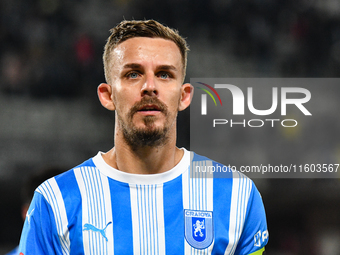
{"x":199,"y":228}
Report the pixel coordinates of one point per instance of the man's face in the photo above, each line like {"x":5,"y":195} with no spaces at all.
{"x":146,"y":89}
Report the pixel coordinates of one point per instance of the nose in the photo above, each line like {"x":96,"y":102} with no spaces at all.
{"x":149,"y":87}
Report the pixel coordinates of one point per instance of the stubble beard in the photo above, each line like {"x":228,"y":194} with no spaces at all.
{"x":149,"y":135}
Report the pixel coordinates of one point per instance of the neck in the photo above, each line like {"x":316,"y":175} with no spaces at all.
{"x":143,"y":160}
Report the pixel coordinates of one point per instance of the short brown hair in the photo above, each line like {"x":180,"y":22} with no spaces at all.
{"x":141,"y":28}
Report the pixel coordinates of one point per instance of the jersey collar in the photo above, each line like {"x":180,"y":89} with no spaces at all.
{"x":146,"y":179}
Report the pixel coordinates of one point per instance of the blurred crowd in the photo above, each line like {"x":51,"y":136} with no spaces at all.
{"x":53,"y":47}
{"x":43,"y":53}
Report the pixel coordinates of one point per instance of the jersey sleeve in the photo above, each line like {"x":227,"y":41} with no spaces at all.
{"x":39,"y":234}
{"x":255,"y":234}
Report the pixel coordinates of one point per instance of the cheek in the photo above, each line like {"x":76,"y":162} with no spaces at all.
{"x":177,"y":97}
{"x":119,"y":102}
{"x":124,"y":101}
{"x":174,"y":102}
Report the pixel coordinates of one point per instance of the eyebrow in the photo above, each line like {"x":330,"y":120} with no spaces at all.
{"x":167,"y":67}
{"x":132,"y":66}
{"x":161,"y":67}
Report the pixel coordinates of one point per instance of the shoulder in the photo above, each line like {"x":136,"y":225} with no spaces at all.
{"x":63,"y":185}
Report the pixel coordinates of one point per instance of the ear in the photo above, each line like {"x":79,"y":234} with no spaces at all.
{"x":186,"y":96}
{"x":105,"y":96}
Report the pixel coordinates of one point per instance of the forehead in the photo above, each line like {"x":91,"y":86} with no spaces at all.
{"x":145,"y":50}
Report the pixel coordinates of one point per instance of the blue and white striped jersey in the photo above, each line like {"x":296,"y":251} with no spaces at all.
{"x":96,"y":209}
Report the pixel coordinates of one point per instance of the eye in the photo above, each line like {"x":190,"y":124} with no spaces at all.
{"x":164,"y":75}
{"x":133,"y":75}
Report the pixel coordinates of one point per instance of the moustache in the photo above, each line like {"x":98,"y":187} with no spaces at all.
{"x":147,"y":101}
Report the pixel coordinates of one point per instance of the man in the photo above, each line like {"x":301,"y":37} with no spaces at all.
{"x":139,"y":197}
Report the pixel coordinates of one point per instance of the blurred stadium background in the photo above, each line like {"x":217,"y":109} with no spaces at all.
{"x":50,"y":66}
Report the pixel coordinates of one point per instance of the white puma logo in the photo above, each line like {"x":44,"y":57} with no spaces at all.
{"x":88,"y":227}
{"x":29,"y":215}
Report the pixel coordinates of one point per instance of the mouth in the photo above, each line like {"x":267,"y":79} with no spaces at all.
{"x":150,"y":109}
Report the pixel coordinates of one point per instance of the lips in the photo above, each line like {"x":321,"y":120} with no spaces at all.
{"x":149,"y":108}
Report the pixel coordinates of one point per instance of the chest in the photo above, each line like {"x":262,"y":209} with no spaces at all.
{"x":173,"y":218}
